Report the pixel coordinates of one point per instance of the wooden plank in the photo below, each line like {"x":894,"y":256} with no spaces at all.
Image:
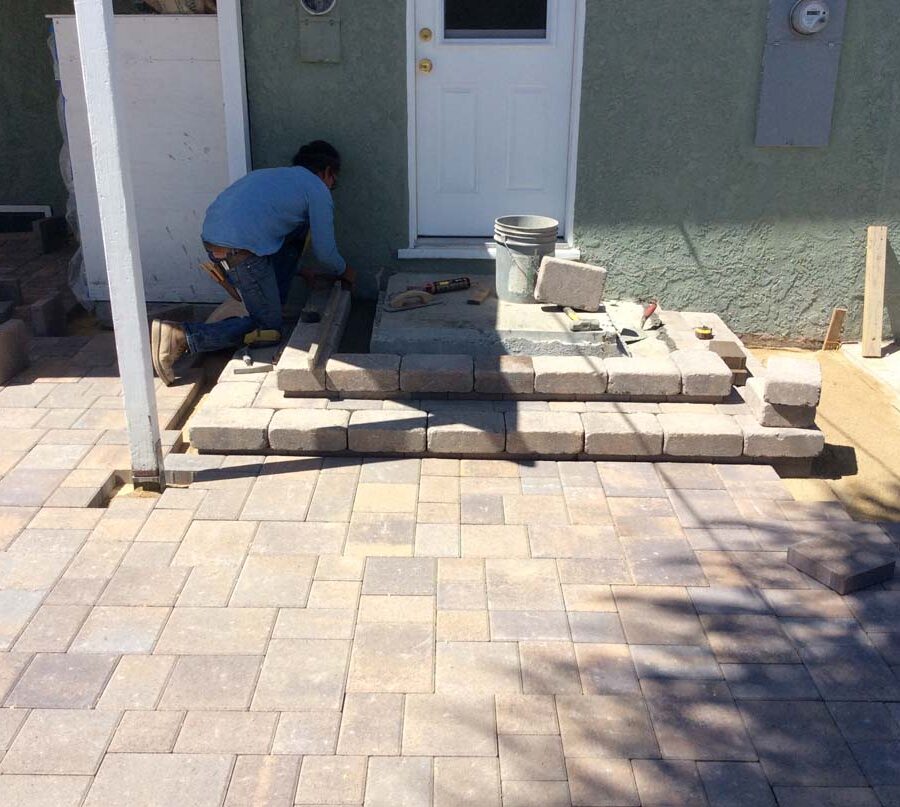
{"x":835,"y":328}
{"x":873,"y":300}
{"x":118,"y":225}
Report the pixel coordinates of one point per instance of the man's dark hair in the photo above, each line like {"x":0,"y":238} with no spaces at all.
{"x":317,"y":156}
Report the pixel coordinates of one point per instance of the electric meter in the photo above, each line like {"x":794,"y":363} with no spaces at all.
{"x":318,"y":7}
{"x":810,"y":16}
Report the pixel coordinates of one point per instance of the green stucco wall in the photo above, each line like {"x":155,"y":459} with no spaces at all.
{"x":673,"y":197}
{"x":677,"y":201}
{"x":29,"y":133}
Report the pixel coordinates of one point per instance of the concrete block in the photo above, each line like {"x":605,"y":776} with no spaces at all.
{"x":775,"y":415}
{"x":845,"y":563}
{"x":617,"y":434}
{"x":570,"y":283}
{"x":701,"y":435}
{"x":363,"y":372}
{"x":13,"y":349}
{"x":544,"y":433}
{"x":466,"y":431}
{"x":388,"y":432}
{"x":223,"y":430}
{"x":724,"y":343}
{"x":295,"y":372}
{"x":569,"y":375}
{"x":309,"y":430}
{"x":702,"y":373}
{"x":232,"y":395}
{"x":776,"y":443}
{"x":648,"y":376}
{"x":48,"y":316}
{"x":504,"y":374}
{"x":444,"y":373}
{"x":792,"y":382}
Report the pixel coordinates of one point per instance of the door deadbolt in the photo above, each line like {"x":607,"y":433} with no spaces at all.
{"x":426,"y":35}
{"x":425,"y":66}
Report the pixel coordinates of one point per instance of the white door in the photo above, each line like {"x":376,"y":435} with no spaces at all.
{"x":493,"y":113}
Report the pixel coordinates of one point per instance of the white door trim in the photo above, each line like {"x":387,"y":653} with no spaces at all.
{"x":477,"y":248}
{"x":234,"y":88}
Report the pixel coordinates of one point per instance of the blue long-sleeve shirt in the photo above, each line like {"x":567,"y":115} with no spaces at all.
{"x":261,"y":209}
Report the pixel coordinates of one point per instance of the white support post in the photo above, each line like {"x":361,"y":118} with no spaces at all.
{"x":112,"y":171}
{"x":234,"y":87}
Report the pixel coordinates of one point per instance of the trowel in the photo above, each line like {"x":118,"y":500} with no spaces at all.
{"x":411,"y":299}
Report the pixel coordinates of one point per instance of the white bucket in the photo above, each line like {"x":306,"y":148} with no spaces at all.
{"x":522,"y":242}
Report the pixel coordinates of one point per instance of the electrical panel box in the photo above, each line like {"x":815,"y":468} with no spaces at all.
{"x":320,"y":39}
{"x":800,"y":69}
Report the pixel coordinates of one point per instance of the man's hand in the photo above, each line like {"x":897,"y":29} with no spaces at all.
{"x":315,"y":280}
{"x":348,"y":279}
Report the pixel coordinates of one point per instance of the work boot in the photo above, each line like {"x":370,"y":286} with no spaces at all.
{"x":167,"y":344}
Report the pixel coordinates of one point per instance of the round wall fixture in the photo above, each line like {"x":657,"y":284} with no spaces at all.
{"x":810,"y":16}
{"x":318,"y":7}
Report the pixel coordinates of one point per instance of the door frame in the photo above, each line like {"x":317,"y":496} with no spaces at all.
{"x":477,"y":248}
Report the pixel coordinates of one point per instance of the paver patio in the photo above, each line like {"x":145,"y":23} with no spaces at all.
{"x":427,"y":633}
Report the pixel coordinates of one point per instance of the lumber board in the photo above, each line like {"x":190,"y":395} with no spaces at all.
{"x":832,"y":339}
{"x":873,"y":297}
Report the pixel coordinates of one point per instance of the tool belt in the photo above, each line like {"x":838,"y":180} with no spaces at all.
{"x":230,"y":256}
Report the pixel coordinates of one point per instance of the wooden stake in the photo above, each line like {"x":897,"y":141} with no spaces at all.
{"x":873,"y":299}
{"x":835,"y":327}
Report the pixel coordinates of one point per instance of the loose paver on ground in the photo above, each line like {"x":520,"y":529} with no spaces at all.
{"x":436,"y":632}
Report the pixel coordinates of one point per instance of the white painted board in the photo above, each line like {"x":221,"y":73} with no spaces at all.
{"x":171,"y":89}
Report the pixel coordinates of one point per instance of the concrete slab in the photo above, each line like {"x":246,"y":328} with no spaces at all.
{"x":493,"y":328}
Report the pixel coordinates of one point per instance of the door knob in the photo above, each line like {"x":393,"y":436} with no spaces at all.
{"x":426,"y":35}
{"x":425,"y":65}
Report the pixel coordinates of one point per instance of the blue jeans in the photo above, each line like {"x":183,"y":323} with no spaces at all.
{"x":263,"y":282}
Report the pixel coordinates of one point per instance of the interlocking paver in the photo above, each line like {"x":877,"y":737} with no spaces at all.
{"x":62,"y":681}
{"x":597,"y":781}
{"x":463,"y":781}
{"x":269,"y":780}
{"x":120,"y":629}
{"x":137,"y":682}
{"x":453,"y":600}
{"x":449,"y":726}
{"x":60,"y":741}
{"x":523,"y":585}
{"x":410,"y":576}
{"x":608,"y":726}
{"x":370,"y":725}
{"x":697,"y":720}
{"x":799,"y":744}
{"x":146,"y":732}
{"x":531,"y":758}
{"x":606,"y":669}
{"x":216,"y":631}
{"x":828,"y":797}
{"x":302,"y":675}
{"x":390,"y":657}
{"x":43,"y":791}
{"x":211,"y":682}
{"x":52,"y":628}
{"x":731,"y":783}
{"x":478,"y":667}
{"x":399,"y":782}
{"x":664,"y":782}
{"x":160,"y":780}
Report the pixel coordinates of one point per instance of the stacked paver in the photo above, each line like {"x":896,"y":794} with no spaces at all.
{"x":676,"y":405}
{"x":782,"y":405}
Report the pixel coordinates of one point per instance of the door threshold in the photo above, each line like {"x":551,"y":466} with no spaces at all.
{"x":468,"y":249}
